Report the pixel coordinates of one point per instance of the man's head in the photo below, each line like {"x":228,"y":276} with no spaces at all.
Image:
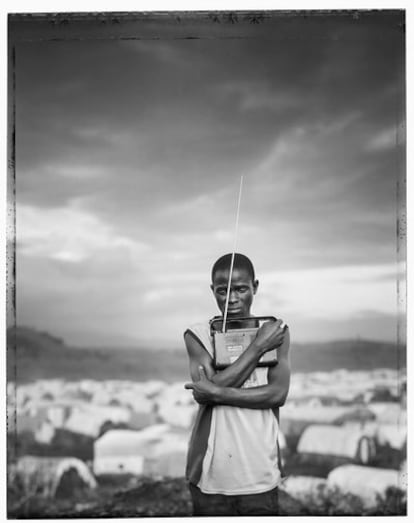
{"x":243,"y":284}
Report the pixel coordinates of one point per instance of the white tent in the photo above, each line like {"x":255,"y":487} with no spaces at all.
{"x":323,"y":414}
{"x":168,"y":456}
{"x":122,"y":450}
{"x":153,"y":387}
{"x":383,"y":433}
{"x":153,"y":450}
{"x":393,"y":435}
{"x":176,"y":406}
{"x":304,"y":488}
{"x":58,"y":414}
{"x":45,"y":475}
{"x":90,"y":419}
{"x":389,"y":412}
{"x":178,"y":415}
{"x":45,"y":433}
{"x":364,"y":482}
{"x":328,"y":440}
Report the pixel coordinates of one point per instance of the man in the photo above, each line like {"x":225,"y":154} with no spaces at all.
{"x":233,"y":462}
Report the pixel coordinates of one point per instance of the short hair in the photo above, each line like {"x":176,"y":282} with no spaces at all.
{"x":240,"y":262}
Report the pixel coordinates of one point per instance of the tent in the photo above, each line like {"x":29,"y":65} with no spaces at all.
{"x":156,"y":450}
{"x":333,"y":441}
{"x":54,"y":477}
{"x":365,"y":482}
{"x":304,"y":488}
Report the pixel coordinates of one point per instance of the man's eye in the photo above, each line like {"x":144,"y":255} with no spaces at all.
{"x":222,"y":292}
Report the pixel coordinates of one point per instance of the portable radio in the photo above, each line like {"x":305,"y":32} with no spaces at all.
{"x":239,"y":334}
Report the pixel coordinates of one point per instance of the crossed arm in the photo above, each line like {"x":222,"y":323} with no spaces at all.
{"x":224,"y":387}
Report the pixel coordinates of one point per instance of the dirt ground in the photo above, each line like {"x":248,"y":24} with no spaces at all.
{"x":169,"y":497}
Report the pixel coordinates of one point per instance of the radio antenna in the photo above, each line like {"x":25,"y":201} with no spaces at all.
{"x":236,"y":230}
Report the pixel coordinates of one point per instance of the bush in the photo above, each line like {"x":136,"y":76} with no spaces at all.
{"x":394,"y":503}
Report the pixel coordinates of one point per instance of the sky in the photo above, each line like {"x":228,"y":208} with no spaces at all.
{"x":129,"y":154}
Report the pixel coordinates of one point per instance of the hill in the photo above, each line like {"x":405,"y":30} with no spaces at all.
{"x":347,"y":354}
{"x":33,"y":355}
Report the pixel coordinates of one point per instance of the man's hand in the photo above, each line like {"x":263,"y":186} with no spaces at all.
{"x":204,"y":390}
{"x":270,"y":335}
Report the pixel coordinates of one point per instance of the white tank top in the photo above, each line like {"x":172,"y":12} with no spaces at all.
{"x":241,"y":455}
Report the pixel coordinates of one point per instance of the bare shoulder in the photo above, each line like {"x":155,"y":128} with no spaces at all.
{"x":198,"y":356}
{"x":194,"y":346}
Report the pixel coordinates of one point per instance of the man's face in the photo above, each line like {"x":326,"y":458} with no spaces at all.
{"x":242,"y":291}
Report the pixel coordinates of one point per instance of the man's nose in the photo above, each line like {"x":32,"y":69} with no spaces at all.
{"x":232,"y":297}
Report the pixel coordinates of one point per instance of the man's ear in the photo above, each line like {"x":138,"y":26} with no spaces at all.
{"x":255,"y":286}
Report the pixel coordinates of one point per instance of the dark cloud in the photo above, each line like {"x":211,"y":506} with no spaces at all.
{"x":150,"y":137}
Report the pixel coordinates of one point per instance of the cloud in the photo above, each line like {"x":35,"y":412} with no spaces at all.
{"x":254,"y":95}
{"x":129,"y":156}
{"x":383,"y":140}
{"x":162,"y":51}
{"x":76,"y":172}
{"x":69,"y":234}
{"x":335,"y":293}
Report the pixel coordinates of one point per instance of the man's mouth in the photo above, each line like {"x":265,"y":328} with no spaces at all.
{"x":234,"y":310}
